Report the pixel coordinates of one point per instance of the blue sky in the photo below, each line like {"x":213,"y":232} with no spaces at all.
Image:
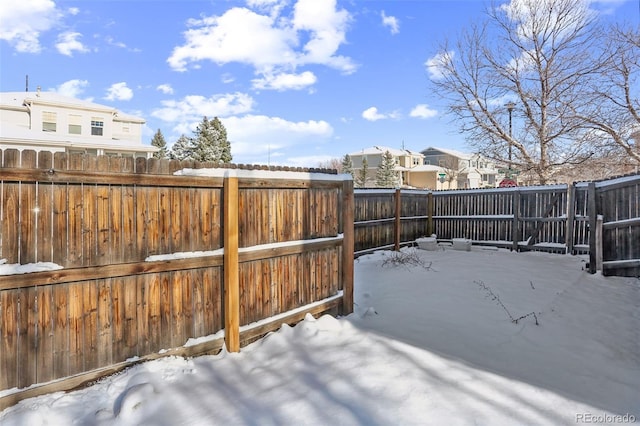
{"x":295,"y":82}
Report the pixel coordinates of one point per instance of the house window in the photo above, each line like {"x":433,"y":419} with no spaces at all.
{"x":48,"y":121}
{"x":75,"y":124}
{"x":97,"y":126}
{"x":125,"y":129}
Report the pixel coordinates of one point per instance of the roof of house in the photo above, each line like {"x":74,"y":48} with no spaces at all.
{"x":378,"y":150}
{"x":21,"y":99}
{"x":459,"y":154}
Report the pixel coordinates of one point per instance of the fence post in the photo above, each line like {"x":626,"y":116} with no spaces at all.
{"x":430,"y":208}
{"x":396,"y":228}
{"x":593,"y":218}
{"x":347,"y":246}
{"x":231,"y":266}
{"x":515,"y":227}
{"x":599,"y":253}
{"x":571,"y":217}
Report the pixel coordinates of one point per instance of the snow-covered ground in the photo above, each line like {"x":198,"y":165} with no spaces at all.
{"x":431,"y":341}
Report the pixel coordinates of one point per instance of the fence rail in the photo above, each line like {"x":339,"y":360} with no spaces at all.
{"x":151,"y":259}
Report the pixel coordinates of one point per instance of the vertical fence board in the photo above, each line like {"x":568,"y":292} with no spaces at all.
{"x":44,"y":365}
{"x":75,"y":230}
{"x":31,"y":341}
{"x":90,"y":325}
{"x":142,"y":222}
{"x":176,"y":220}
{"x":187,"y":305}
{"x":104,"y":319}
{"x":142,"y":312}
{"x":11,"y":232}
{"x":9,"y":361}
{"x":118,"y":319}
{"x":130,"y":325}
{"x":103,"y":227}
{"x":198,"y":303}
{"x":177,"y":314}
{"x":76,"y":329}
{"x":27,"y":219}
{"x":166,"y":314}
{"x":152,"y":285}
{"x":44,"y":217}
{"x":60,"y":221}
{"x":61,"y":331}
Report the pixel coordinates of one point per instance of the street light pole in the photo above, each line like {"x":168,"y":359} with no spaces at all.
{"x":510,"y":107}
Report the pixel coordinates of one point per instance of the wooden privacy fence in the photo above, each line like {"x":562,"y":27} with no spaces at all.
{"x":151,"y":259}
{"x":617,"y":224}
{"x":554,"y":218}
{"x":486,"y":216}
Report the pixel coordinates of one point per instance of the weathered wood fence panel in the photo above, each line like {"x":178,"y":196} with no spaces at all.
{"x":618,"y":203}
{"x":554,"y":218}
{"x":142,"y":256}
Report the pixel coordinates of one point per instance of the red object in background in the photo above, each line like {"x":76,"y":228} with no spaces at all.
{"x":507,"y":183}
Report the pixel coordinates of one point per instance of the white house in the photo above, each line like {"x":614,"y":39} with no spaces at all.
{"x":463,"y":170}
{"x":410,"y":167}
{"x":48,"y":121}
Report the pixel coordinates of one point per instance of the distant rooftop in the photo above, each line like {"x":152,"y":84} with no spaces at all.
{"x":377,"y":150}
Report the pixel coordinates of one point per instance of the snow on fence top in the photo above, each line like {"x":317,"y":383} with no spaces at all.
{"x":279,"y":173}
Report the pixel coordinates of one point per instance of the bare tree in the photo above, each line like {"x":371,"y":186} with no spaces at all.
{"x":333,"y":163}
{"x":611,"y":108}
{"x":534,"y":53}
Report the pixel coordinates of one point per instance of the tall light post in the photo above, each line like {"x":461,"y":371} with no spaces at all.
{"x":510,"y":107}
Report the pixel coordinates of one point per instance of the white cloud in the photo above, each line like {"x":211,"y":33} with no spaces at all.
{"x":113,"y":42}
{"x":240,"y":35}
{"x":271,"y":43}
{"x":327,"y":27}
{"x":119,"y":92}
{"x":273,"y":7}
{"x":372,"y":114}
{"x":308,"y":161}
{"x":227,"y":78}
{"x":165,"y":88}
{"x":285,"y":81}
{"x":22,"y":22}
{"x":72,"y":88}
{"x":192,"y":108}
{"x":254,"y":138}
{"x":256,"y":135}
{"x":438,"y":64}
{"x":68,"y":43}
{"x":423,"y":111}
{"x":391,"y":22}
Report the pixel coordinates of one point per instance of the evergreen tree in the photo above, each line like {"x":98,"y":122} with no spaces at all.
{"x":182,"y":149}
{"x":159,"y":142}
{"x":211,"y":142}
{"x":347,"y":166}
{"x":386,"y":176}
{"x":361,"y":178}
